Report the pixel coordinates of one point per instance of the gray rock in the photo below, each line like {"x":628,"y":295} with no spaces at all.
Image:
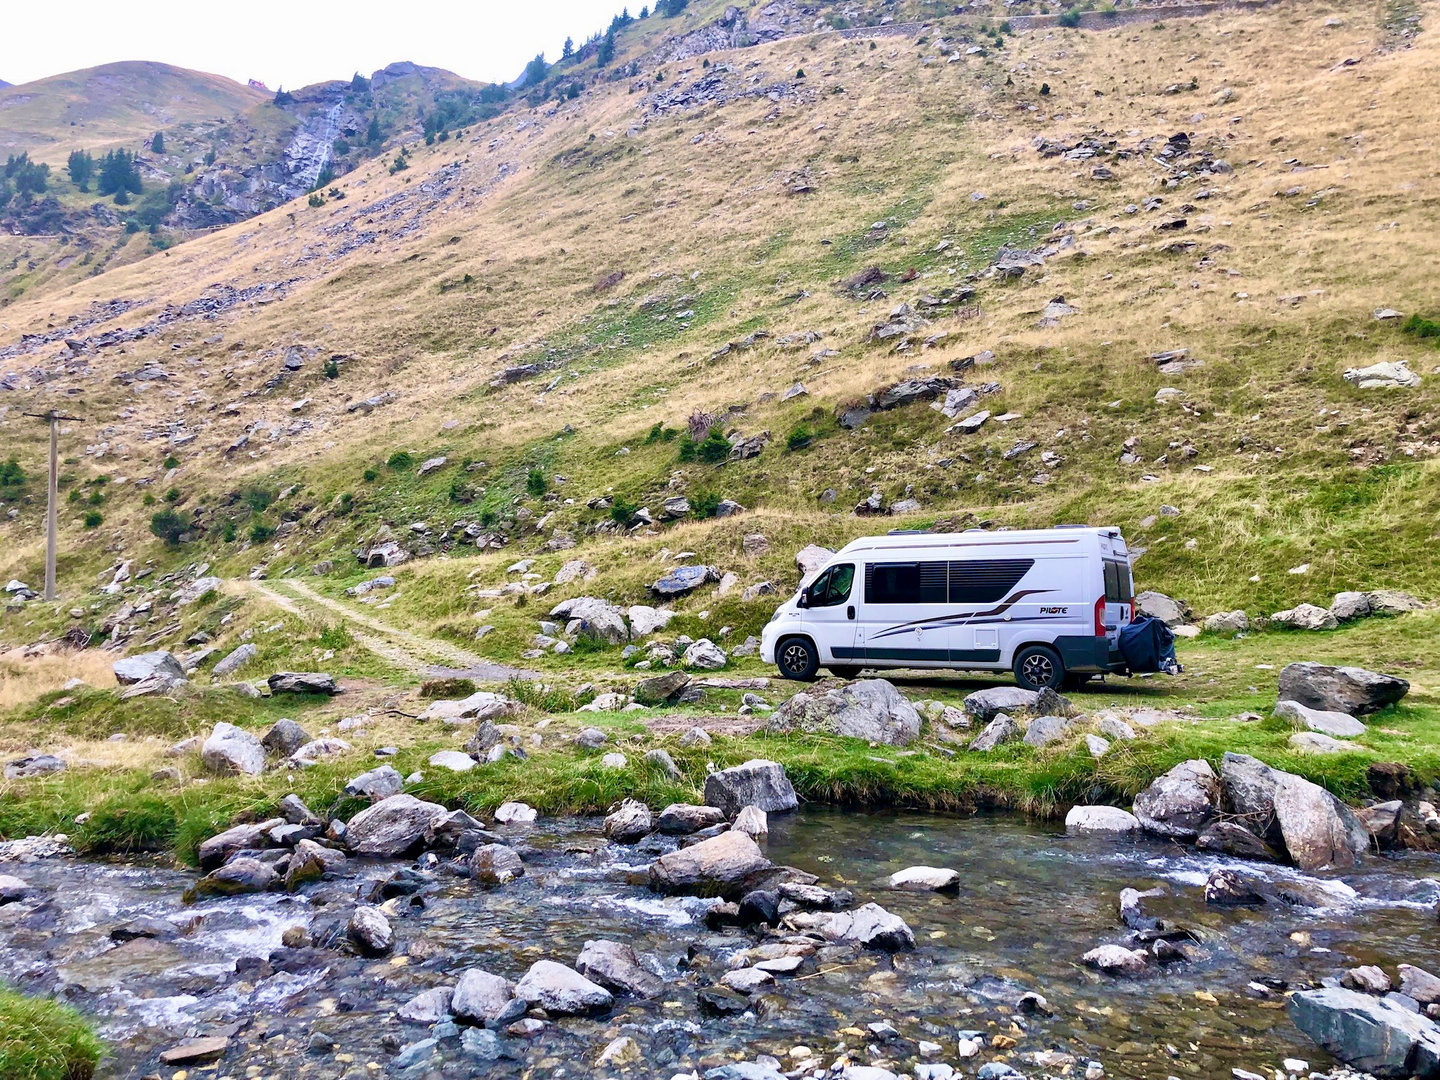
{"x":869,"y":926}
{"x":376,"y":784}
{"x":696,"y":736}
{"x":310,"y":862}
{"x":1367,"y":978}
{"x":1350,"y":605}
{"x":592,"y":738}
{"x":13,"y":889}
{"x":925,"y":879}
{"x":616,"y":967}
{"x":997,"y":732}
{"x":242,"y":875}
{"x":1349,"y":690}
{"x":1227,"y":622}
{"x":1305,"y":617}
{"x":1181,"y":803}
{"x":1117,"y":960}
{"x":1367,"y":1033}
{"x":661,"y":689}
{"x":1100,"y":819}
{"x":753,"y":822}
{"x":480,"y":997}
{"x":1112,"y":727}
{"x":594,"y":617}
{"x":645,"y":621}
{"x":705,"y":655}
{"x":683,"y":579}
{"x":1338,"y":725}
{"x":453,"y":760}
{"x":234,"y":661}
{"x":561,"y":991}
{"x":755,"y":783}
{"x":151,"y":665}
{"x":303,"y":682}
{"x":318,"y":750}
{"x":1390,"y":602}
{"x":496,"y":864}
{"x":427,"y":1007}
{"x":680,"y":819}
{"x":810,"y":560}
{"x":1159,"y":606}
{"x":662,"y":760}
{"x":985,"y":705}
{"x":284,"y":738}
{"x":871,"y":709}
{"x":1313,"y":742}
{"x":231,"y":750}
{"x":629,"y":822}
{"x":1044,"y":730}
{"x":370,"y":931}
{"x":1097,"y":746}
{"x":218,"y":848}
{"x":720,"y":866}
{"x":34,"y":765}
{"x":1226,"y":888}
{"x":480,"y":706}
{"x":1228,"y":838}
{"x":393,"y":826}
{"x":1311,"y":825}
{"x":1419,"y":984}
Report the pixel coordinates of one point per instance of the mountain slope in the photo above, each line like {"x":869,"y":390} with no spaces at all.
{"x":100,"y":107}
{"x":567,"y":284}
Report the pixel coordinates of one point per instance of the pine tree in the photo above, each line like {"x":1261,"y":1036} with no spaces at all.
{"x":373,"y":134}
{"x":606,"y":52}
{"x":82,"y":167}
{"x":568,"y":50}
{"x":157,"y":144}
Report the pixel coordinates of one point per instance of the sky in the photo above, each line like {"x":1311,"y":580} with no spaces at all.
{"x":291,"y":43}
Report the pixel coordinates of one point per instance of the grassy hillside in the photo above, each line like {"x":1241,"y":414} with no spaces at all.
{"x":620,"y":244}
{"x":100,"y":107}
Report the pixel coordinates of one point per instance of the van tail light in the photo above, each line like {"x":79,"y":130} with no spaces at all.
{"x":1100,"y":617}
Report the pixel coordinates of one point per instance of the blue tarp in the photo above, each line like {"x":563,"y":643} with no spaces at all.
{"x":1148,"y":645}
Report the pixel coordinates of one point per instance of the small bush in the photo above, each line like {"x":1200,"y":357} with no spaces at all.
{"x":535,"y":483}
{"x":370,"y":476}
{"x":11,"y":474}
{"x":461,"y":492}
{"x":169,"y":525}
{"x":171,"y":462}
{"x":94,"y":519}
{"x":148,"y":500}
{"x":332,"y":369}
{"x":173,"y":495}
{"x":227,"y":531}
{"x":800,"y":437}
{"x":400,"y":460}
{"x":547,"y":699}
{"x":260,"y":532}
{"x":345,"y":504}
{"x":621,"y":511}
{"x":705,"y":504}
{"x":1421,"y":328}
{"x":257,"y":498}
{"x":335,"y":636}
{"x":1070,"y":17}
{"x":715,"y":449}
{"x":316,"y":200}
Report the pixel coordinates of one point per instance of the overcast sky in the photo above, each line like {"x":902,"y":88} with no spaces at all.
{"x":294,"y":43}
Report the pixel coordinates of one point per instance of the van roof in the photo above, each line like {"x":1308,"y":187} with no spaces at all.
{"x":1065,"y":534}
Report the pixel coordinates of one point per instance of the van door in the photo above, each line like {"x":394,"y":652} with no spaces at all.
{"x":1119,"y":598}
{"x":830,"y":612}
{"x":904,"y":618}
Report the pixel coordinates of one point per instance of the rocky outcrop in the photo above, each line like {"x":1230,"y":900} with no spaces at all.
{"x":1180,"y":803}
{"x":871,"y":709}
{"x":1306,"y":821}
{"x":757,"y":783}
{"x":1349,"y":690}
{"x":1369,"y":1033}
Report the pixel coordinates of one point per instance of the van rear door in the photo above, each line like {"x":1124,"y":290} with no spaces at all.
{"x":1119,"y":597}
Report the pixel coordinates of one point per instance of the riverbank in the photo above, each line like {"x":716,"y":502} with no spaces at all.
{"x":41,"y":1039}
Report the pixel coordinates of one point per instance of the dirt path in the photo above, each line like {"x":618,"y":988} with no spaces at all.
{"x":421,"y":655}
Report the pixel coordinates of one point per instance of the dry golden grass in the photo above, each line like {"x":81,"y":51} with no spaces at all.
{"x":25,"y":678}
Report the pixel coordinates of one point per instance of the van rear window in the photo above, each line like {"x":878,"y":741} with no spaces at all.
{"x":974,"y":581}
{"x":1117,"y":583}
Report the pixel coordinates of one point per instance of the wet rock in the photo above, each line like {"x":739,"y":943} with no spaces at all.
{"x":1117,"y":960}
{"x":376,"y":784}
{"x":1350,"y":690}
{"x":746,"y":980}
{"x":496,"y":864}
{"x":869,"y":926}
{"x":661,"y":689}
{"x":616,"y":967}
{"x":717,"y":1001}
{"x":1100,"y":819}
{"x":1315,"y":828}
{"x":985,"y":705}
{"x":370,"y":931}
{"x":815,"y":898}
{"x":1367,"y":978}
{"x":1367,"y":1033}
{"x":1419,"y":984}
{"x":753,"y":822}
{"x":13,"y":889}
{"x":1338,"y":725}
{"x":714,"y":867}
{"x":681,"y":819}
{"x":218,"y":848}
{"x":427,"y":1007}
{"x":757,"y":783}
{"x":926,"y":879}
{"x":159,"y":665}
{"x":293,"y":809}
{"x":392,"y":826}
{"x":757,"y":907}
{"x":480,"y":997}
{"x":284,"y":738}
{"x":302,"y":682}
{"x":871,"y":709}
{"x":311,"y":862}
{"x":1180,"y":803}
{"x":1130,"y":911}
{"x":997,"y":732}
{"x":561,"y":991}
{"x":1227,"y":838}
{"x":231,"y":750}
{"x":1227,"y":888}
{"x":196,"y":1051}
{"x":238,"y":876}
{"x":629,"y":822}
{"x":234,"y":661}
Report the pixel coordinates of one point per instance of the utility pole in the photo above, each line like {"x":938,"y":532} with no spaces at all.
{"x":52,"y":502}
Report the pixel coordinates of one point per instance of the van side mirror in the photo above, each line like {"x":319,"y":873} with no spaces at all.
{"x":803,"y":600}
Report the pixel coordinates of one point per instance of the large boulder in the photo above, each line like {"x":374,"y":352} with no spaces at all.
{"x":645,"y":621}
{"x":1181,"y":803}
{"x":683,"y":579}
{"x":1227,"y":838}
{"x":1419,"y":984}
{"x":660,"y":689}
{"x":234,"y":660}
{"x":378,"y":783}
{"x":218,"y":848}
{"x":242,"y":875}
{"x":594,"y":617}
{"x":1373,"y":1034}
{"x":629,"y":822}
{"x":755,"y":783}
{"x":1159,"y":606}
{"x":1311,"y":825}
{"x":1305,"y":617}
{"x":681,"y":819}
{"x":615,"y":966}
{"x":160,"y":664}
{"x":230,"y":750}
{"x":561,"y":991}
{"x":481,"y":998}
{"x":810,"y":560}
{"x":1349,"y":690}
{"x":1338,"y":725}
{"x":393,"y":826}
{"x":303,"y":682}
{"x":704,"y":655}
{"x":871,"y":709}
{"x":479,"y":706}
{"x":720,"y":866}
{"x":985,"y":705}
{"x":869,"y":926}
{"x":284,"y":738}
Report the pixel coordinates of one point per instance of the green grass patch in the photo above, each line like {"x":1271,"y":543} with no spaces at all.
{"x":42,"y":1039}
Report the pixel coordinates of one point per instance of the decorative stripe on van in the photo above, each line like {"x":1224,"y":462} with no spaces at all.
{"x":965,"y":618}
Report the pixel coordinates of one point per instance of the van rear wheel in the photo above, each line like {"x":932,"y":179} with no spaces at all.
{"x":797,"y":659}
{"x":1039,"y":667}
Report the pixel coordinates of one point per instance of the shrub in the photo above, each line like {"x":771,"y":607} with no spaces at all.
{"x":173,"y":495}
{"x":400,"y":460}
{"x":11,"y":474}
{"x":41,"y":1039}
{"x":257,"y":498}
{"x":171,"y":462}
{"x":346,"y":503}
{"x":157,"y":144}
{"x":128,"y":823}
{"x":688,"y":448}
{"x":1421,"y":328}
{"x":316,"y":200}
{"x":332,"y":369}
{"x":335,"y":636}
{"x":800,"y":437}
{"x":94,"y":519}
{"x":622,"y":510}
{"x":227,"y":531}
{"x":1070,"y":17}
{"x":461,"y":492}
{"x":535,"y":482}
{"x":169,"y":525}
{"x":148,"y":500}
{"x":715,"y":449}
{"x":705,"y":504}
{"x":370,"y":476}
{"x":260,"y":532}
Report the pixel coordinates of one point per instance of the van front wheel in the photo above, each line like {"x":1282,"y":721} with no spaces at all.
{"x":797,"y":659}
{"x":1039,"y":667}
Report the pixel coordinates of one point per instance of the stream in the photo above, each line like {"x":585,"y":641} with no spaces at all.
{"x":117,"y":941}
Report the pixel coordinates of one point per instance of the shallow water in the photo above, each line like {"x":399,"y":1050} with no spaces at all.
{"x":1031,"y":902}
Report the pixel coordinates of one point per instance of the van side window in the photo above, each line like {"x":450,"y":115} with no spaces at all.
{"x":832,"y":586}
{"x":905,"y":583}
{"x":1117,"y":583}
{"x":985,"y":581}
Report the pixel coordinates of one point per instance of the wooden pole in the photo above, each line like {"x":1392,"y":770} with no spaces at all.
{"x":52,"y":509}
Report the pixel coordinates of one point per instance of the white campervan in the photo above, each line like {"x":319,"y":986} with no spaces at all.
{"x":1047,"y":604}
